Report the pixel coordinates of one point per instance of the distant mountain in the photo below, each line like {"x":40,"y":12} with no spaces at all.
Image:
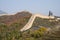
{"x":2,"y":12}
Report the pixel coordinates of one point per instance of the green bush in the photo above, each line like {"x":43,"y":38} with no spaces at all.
{"x":39,"y":33}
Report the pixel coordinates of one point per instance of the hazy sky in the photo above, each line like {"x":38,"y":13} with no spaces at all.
{"x":34,"y":6}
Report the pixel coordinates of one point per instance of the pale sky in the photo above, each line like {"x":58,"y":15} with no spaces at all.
{"x":34,"y":6}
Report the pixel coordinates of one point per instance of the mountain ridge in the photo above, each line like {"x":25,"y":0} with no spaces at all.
{"x":7,"y":19}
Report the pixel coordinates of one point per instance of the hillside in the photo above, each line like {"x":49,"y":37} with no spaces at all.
{"x":17,"y":18}
{"x":10,"y":26}
{"x":48,"y":23}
